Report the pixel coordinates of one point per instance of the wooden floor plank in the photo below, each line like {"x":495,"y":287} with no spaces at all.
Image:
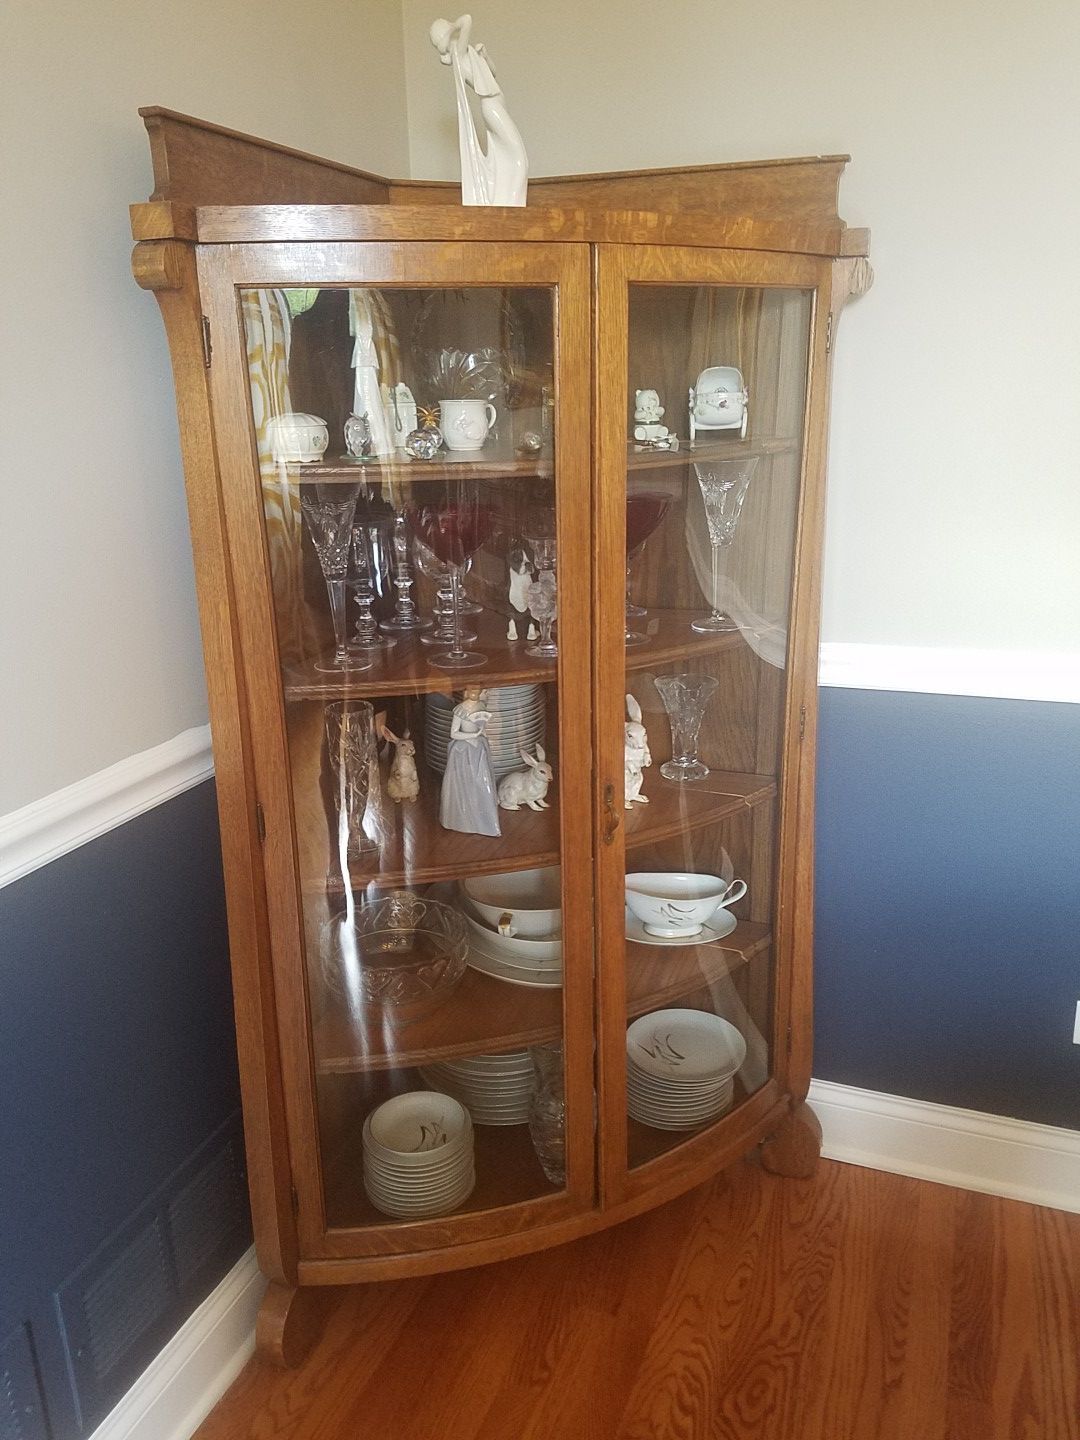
{"x":854,"y":1306}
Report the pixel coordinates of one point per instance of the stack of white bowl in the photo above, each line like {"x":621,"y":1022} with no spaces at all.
{"x":495,"y":1089}
{"x":518,"y":721}
{"x":515,"y":925}
{"x":418,"y":1155}
{"x":681,"y":1067}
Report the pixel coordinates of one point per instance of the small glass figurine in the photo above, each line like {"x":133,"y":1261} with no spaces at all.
{"x":425,"y":442}
{"x":358,"y":437}
{"x":468,"y":799}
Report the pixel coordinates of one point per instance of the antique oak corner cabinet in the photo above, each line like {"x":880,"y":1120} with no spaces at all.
{"x":605,"y":1067}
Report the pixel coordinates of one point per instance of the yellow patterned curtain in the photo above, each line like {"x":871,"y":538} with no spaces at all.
{"x":267,"y":327}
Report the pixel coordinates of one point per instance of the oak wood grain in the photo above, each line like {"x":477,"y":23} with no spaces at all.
{"x":854,"y":1306}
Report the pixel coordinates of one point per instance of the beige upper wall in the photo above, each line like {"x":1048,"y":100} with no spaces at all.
{"x":99,"y":647}
{"x":954,"y":507}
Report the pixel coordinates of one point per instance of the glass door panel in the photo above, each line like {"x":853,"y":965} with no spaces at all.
{"x":717,"y":382}
{"x":411,"y":506}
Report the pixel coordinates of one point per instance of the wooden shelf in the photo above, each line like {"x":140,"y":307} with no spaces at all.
{"x":492,"y":463}
{"x":414,"y":849}
{"x":507,"y":1170}
{"x":407,"y":669}
{"x":706,"y":450}
{"x":485,"y":1015}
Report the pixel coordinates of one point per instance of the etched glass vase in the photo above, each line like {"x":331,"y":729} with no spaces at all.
{"x":685,"y":698}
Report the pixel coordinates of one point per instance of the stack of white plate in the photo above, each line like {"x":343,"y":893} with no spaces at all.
{"x":681,"y":1067}
{"x":514,"y":958}
{"x":418,"y":1155}
{"x":519,"y":721}
{"x":495,"y":1089}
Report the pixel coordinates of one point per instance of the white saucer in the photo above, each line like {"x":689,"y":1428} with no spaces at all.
{"x":707,"y":935}
{"x":487,"y":964}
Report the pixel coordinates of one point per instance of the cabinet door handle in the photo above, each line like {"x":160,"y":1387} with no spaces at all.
{"x":613,"y":815}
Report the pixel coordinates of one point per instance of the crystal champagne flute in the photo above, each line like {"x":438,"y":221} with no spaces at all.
{"x":723,"y":485}
{"x":329,"y":511}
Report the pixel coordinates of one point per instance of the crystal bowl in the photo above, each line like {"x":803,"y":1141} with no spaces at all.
{"x":403,"y":953}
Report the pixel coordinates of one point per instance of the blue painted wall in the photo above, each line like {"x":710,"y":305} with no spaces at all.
{"x":117,"y":1072}
{"x":948,"y":900}
{"x":948,"y":967}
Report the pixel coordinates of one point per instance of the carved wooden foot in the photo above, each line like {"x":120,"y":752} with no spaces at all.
{"x":289,"y":1324}
{"x":795,"y":1148}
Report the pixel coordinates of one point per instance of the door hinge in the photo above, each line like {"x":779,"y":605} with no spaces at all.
{"x":207,"y":346}
{"x":802,"y":722}
{"x":789,"y":1041}
{"x":260,"y":821}
{"x":295,"y":1198}
{"x":828,"y":335}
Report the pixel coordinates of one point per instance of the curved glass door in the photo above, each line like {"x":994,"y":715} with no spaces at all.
{"x":710,"y":456}
{"x":423,"y":562}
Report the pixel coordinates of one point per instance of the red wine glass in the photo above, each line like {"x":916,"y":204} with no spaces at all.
{"x":645,"y":511}
{"x":454,"y":530}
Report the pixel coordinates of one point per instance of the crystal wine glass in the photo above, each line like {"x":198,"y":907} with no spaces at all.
{"x":329,"y":510}
{"x":685,"y":698}
{"x":350,"y":744}
{"x":541,"y":596}
{"x":723,"y":485}
{"x":645,"y":511}
{"x":455,"y":530}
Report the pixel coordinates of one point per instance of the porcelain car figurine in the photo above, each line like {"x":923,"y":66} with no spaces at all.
{"x":719,"y":401}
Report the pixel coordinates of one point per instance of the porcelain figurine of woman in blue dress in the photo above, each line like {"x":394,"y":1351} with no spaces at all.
{"x":468,"y":801}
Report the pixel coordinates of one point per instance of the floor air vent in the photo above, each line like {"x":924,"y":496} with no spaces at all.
{"x":22,"y":1409}
{"x":123,"y":1304}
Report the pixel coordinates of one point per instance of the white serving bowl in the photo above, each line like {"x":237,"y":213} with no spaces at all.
{"x":544,"y":953}
{"x":675,"y":903}
{"x":525,"y":902}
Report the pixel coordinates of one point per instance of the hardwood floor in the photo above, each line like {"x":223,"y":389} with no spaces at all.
{"x":855,"y":1306}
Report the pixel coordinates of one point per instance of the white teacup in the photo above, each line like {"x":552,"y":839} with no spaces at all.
{"x":465,"y":423}
{"x":679,"y":904}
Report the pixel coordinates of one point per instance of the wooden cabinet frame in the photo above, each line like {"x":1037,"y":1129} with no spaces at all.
{"x":217,"y":223}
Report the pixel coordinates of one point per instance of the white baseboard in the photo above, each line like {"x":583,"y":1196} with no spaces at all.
{"x":68,"y":818}
{"x":173,"y":1396}
{"x":945,"y":670}
{"x":965,"y":1148}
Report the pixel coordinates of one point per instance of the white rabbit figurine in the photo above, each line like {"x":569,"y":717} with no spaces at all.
{"x":527,"y":787}
{"x":404,"y":783}
{"x":636,"y":757}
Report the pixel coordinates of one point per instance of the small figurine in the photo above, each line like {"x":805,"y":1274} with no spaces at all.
{"x":358,"y":437}
{"x":425,"y":442}
{"x":527,"y":787}
{"x":520,"y":579}
{"x":468,"y":801}
{"x":511,"y":629}
{"x":532,"y":633}
{"x":719,"y":401}
{"x":636,"y":757}
{"x":648,"y":413}
{"x":404,"y":783}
